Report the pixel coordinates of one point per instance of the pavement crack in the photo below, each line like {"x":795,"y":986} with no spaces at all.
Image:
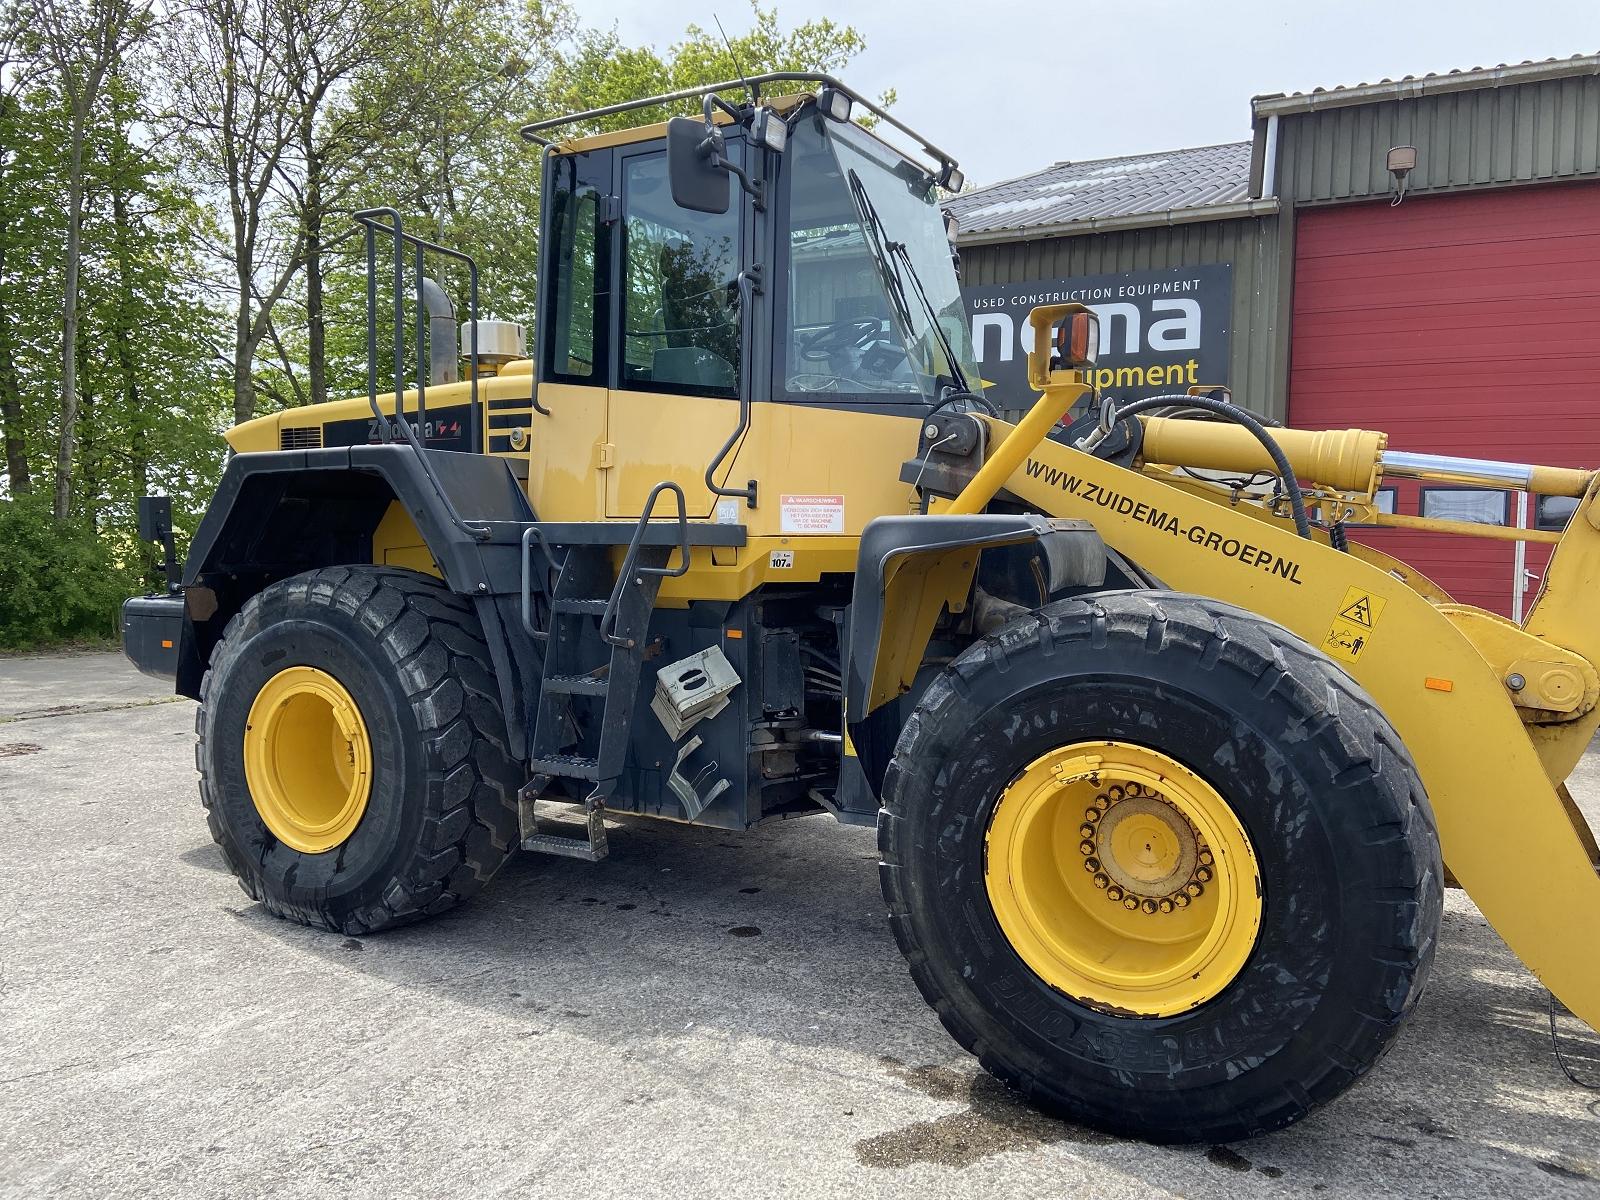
{"x":78,"y":710}
{"x":84,"y":1062}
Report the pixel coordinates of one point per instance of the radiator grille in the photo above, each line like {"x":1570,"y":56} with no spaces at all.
{"x":292,"y":437}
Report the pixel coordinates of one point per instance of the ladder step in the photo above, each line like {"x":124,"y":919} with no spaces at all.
{"x":578,"y":685}
{"x":566,"y":766}
{"x":566,"y":847}
{"x":595,"y":608}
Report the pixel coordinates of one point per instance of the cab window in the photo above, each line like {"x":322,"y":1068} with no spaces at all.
{"x":680,"y":290}
{"x":575,"y":286}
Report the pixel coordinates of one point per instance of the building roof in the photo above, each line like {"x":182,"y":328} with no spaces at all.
{"x":1458,"y":80}
{"x":1169,"y":187}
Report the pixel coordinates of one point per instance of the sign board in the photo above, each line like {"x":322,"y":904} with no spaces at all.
{"x":1161,"y":331}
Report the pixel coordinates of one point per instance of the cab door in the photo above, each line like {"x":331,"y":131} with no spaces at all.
{"x":676,"y":346}
{"x":573,"y":337}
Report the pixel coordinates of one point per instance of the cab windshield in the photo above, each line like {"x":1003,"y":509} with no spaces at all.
{"x":867,"y":244}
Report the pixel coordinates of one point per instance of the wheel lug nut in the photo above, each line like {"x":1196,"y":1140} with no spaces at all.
{"x":1206,"y":858}
{"x":1086,"y":849}
{"x":1130,"y":902}
{"x":1134,"y":789}
{"x":1092,"y":815}
{"x":1091,"y":864}
{"x":1203,"y":874}
{"x":1115,"y":794}
{"x":1166,"y":906}
{"x":1102,"y":802}
{"x":1181,"y":900}
{"x":1086,"y":830}
{"x":1149,"y":906}
{"x":1194,"y":890}
{"x":1113,"y":892}
{"x":1100,"y":881}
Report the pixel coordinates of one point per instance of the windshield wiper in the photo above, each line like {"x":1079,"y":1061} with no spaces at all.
{"x":893,"y":259}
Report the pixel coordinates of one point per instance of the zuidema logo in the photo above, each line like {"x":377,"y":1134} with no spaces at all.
{"x":1089,"y":493}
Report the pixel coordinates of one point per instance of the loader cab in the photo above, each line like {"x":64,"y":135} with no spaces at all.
{"x":662,"y":328}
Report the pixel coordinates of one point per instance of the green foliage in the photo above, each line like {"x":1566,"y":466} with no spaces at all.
{"x":197,"y":292}
{"x":58,"y":580}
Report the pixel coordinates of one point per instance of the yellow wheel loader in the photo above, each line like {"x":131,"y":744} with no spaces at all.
{"x":1168,"y":775}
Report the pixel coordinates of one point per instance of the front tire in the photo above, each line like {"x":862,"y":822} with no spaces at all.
{"x":353,"y":757}
{"x":1273,"y":913}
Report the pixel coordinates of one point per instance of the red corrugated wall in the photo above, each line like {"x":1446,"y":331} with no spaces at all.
{"x":1465,"y":324}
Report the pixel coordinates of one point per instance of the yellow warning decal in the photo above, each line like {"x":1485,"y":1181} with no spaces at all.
{"x":1352,"y":627}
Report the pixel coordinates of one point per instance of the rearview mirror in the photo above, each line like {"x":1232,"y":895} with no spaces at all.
{"x":697,"y":171}
{"x":155,"y":519}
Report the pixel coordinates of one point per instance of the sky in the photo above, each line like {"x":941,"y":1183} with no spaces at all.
{"x":1009,"y":87}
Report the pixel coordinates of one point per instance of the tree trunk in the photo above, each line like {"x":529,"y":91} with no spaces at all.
{"x":122,"y":332}
{"x":69,"y":321}
{"x":316,"y":326}
{"x":20,"y":482}
{"x":244,"y":353}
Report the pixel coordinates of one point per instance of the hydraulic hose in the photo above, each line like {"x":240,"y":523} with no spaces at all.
{"x":1231,"y":412}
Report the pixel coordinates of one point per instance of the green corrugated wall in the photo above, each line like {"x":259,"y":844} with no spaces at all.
{"x":1487,"y":137}
{"x":1250,"y":244}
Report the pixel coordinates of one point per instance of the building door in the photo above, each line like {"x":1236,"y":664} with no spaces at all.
{"x":1466,"y":324}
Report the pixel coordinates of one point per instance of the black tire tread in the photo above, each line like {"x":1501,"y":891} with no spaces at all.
{"x":1219,"y":637}
{"x":433,"y":639}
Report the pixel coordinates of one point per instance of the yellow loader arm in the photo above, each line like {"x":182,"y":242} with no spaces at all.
{"x":1458,"y":684}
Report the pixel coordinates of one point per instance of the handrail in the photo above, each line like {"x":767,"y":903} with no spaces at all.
{"x":753,"y":86}
{"x":629,"y":560}
{"x":369,"y":220}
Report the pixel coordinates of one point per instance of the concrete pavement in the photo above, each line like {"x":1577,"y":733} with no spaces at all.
{"x":701,"y":1014}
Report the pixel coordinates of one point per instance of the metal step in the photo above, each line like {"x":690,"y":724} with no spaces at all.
{"x":566,"y":847}
{"x":578,"y":685}
{"x":566,"y":766}
{"x":591,"y":608}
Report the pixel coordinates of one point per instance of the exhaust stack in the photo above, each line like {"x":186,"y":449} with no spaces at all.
{"x":443,"y":366}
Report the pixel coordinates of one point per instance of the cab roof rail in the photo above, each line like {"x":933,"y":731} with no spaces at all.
{"x":752,"y":85}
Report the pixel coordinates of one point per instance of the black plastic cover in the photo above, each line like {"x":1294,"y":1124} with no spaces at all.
{"x":152,"y":629}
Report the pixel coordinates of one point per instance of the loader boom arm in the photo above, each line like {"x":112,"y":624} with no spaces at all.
{"x":1492,"y":779}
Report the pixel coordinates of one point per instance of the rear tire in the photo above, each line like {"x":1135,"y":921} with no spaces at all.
{"x":440,"y":816}
{"x":1349,"y":869}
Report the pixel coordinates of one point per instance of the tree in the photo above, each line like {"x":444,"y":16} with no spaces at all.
{"x":15,"y":75}
{"x":234,"y":109}
{"x":603,"y":71}
{"x":82,"y":40}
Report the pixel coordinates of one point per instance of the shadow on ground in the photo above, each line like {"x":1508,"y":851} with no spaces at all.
{"x":780,"y":933}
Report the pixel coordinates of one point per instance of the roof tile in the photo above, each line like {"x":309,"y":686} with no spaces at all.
{"x":1108,"y":187}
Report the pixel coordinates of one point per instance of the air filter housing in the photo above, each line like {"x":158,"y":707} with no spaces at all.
{"x":499,"y":342}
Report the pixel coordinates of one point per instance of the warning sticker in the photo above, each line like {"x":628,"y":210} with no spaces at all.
{"x":1352,"y":627}
{"x":781,"y":560}
{"x":812,"y":514}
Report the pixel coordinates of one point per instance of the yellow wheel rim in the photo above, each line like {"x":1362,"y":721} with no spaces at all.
{"x":1123,"y":879}
{"x":307,"y":759}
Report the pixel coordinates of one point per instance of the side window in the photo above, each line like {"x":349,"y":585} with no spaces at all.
{"x":680,"y":292}
{"x":576,"y":288}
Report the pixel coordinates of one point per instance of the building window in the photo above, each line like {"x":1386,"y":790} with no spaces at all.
{"x":1480,"y":506}
{"x":1553,"y":512}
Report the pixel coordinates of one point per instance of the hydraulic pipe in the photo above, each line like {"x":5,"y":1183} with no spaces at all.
{"x":1351,"y":460}
{"x":1346,"y":459}
{"x":1483,"y":472}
